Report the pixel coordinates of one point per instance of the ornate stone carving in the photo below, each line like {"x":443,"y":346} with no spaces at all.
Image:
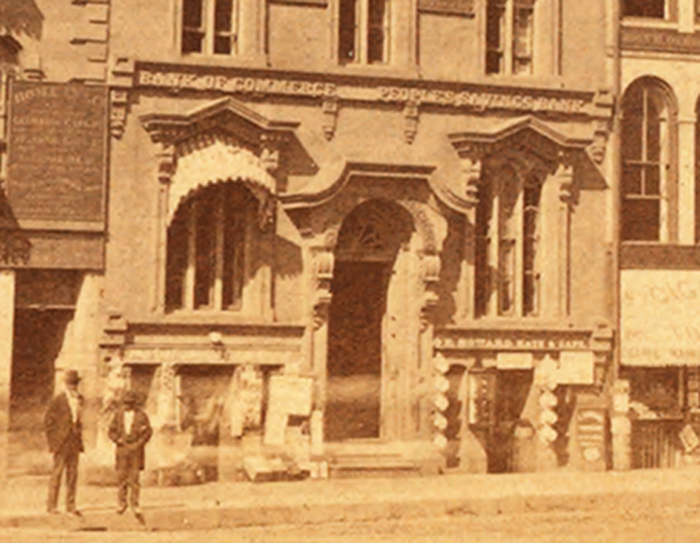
{"x":565,"y":177}
{"x":270,"y":151}
{"x":324,"y":263}
{"x":166,"y":163}
{"x":424,"y":224}
{"x":119,"y":109}
{"x":410,"y":115}
{"x":471,"y":170}
{"x":545,"y":378}
{"x":440,"y":387}
{"x":596,"y":150}
{"x":330,"y":116}
{"x":430,"y":274}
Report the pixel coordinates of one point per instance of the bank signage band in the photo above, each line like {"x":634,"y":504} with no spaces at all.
{"x":300,"y":85}
{"x":56,"y":166}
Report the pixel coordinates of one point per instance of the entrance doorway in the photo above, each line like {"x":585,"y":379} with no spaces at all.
{"x":367,"y":363}
{"x":353,"y":408}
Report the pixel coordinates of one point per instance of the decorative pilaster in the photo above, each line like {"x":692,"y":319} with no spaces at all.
{"x":565,"y":181}
{"x":323,"y":264}
{"x":166,"y":158}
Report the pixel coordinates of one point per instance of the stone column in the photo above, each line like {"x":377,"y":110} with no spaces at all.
{"x":7,"y":316}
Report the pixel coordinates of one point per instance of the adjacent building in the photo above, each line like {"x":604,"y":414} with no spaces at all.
{"x":659,"y":259}
{"x":337,"y":236}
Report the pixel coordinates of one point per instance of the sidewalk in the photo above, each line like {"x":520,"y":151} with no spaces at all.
{"x":219,"y":505}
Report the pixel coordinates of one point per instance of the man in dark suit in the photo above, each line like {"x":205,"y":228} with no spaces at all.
{"x":63,"y":425}
{"x":130,"y":429}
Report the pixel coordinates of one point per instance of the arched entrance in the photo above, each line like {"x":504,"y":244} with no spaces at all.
{"x":368,"y":318}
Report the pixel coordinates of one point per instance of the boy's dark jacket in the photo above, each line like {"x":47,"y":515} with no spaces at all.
{"x":130,"y":445}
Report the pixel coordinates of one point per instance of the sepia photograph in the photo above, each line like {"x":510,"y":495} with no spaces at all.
{"x":338,"y":271}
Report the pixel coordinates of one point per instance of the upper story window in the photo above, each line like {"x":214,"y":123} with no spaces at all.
{"x":363,"y":31}
{"x":648,"y":189}
{"x":507,"y":237}
{"x":210,"y":26}
{"x":509,"y":36}
{"x":651,"y":9}
{"x":208,"y":262}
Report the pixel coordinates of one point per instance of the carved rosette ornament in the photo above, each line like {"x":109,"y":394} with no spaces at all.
{"x":324,"y":262}
{"x":430,"y":274}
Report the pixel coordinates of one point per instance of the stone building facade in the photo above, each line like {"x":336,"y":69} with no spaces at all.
{"x":352,"y":236}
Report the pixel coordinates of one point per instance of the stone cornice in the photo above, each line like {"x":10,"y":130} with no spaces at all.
{"x":313,"y":198}
{"x":171,"y":127}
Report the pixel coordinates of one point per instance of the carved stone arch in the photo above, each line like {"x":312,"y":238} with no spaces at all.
{"x":429,"y":224}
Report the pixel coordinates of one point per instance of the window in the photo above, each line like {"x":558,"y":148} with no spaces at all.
{"x":509,"y":36}
{"x":209,"y":26}
{"x":647,"y":129}
{"x":363,"y":33}
{"x":507,"y":212}
{"x":653,"y":9}
{"x":207,"y":241}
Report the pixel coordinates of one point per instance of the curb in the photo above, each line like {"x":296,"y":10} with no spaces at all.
{"x":176,"y":518}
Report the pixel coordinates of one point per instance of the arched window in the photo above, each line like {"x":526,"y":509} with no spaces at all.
{"x":648,"y":180}
{"x":208,"y":262}
{"x":507,"y":237}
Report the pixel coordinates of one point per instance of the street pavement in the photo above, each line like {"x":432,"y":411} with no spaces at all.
{"x":355,"y":502}
{"x":672,"y":524}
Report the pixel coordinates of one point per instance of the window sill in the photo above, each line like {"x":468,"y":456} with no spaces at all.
{"x":373,"y":70}
{"x":529,"y":80}
{"x":258,"y":60}
{"x":642,"y":22}
{"x":521,"y":323}
{"x":208,"y":318}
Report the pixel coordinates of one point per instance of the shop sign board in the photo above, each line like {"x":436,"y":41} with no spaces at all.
{"x":57,"y":155}
{"x":660,"y":318}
